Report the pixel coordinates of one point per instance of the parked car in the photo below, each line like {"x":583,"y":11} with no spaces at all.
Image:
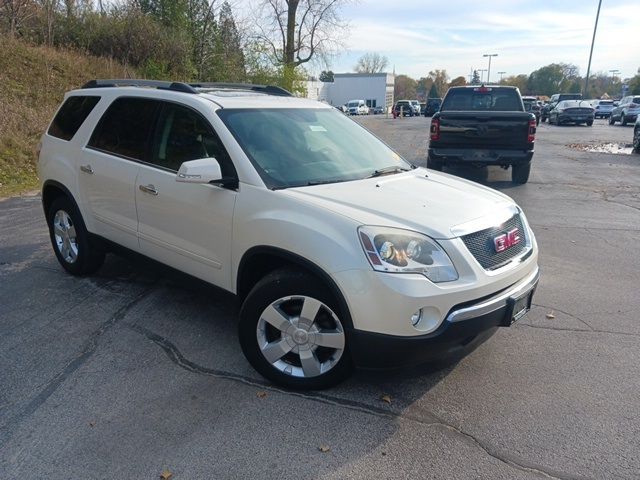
{"x":378,"y":110}
{"x":423,"y":107}
{"x":404,"y":108}
{"x":483,"y":126}
{"x":554,"y":100}
{"x":602,"y":108}
{"x":636,"y":136}
{"x":626,"y":111}
{"x":433,"y":105}
{"x":572,"y":111}
{"x":357,"y":107}
{"x":531,"y":105}
{"x":295,"y":209}
{"x":416,"y":106}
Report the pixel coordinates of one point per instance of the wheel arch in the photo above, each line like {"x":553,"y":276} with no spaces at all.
{"x":51,"y":190}
{"x":259,"y":261}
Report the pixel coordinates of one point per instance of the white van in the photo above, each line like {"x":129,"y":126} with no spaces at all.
{"x":357,"y":107}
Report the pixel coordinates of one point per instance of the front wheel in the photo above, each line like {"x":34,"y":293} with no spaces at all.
{"x":611,"y":120}
{"x":292,"y":333}
{"x":590,"y":123}
{"x":520,"y":173}
{"x":623,"y":120}
{"x":70,"y":239}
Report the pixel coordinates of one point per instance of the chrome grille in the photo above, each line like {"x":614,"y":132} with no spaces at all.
{"x":482,"y":247}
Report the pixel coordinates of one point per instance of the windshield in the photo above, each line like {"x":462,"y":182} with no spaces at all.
{"x":292,"y":147}
{"x":482,"y":98}
{"x":353,"y":104}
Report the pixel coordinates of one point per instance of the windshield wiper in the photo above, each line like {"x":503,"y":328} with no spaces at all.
{"x":324,"y":182}
{"x":387,"y":170}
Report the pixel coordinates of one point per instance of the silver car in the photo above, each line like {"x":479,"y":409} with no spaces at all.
{"x":626,"y":111}
{"x":602,"y":108}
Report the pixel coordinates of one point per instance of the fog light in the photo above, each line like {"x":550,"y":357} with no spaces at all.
{"x":416,"y":317}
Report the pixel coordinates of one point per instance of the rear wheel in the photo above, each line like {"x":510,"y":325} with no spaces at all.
{"x":434,"y":164}
{"x":636,"y":140}
{"x":520,"y":173}
{"x":70,"y":239}
{"x":292,"y":333}
{"x":590,"y":123}
{"x":623,"y":119}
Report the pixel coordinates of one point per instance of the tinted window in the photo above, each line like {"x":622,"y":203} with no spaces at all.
{"x":125,"y":127}
{"x":482,"y":98}
{"x":635,"y":100}
{"x":182,"y":135}
{"x":71,"y":115}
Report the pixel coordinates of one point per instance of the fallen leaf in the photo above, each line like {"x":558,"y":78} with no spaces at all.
{"x":92,"y":424}
{"x":386,"y":398}
{"x":261,"y":394}
{"x":323,"y":448}
{"x":166,"y":474}
{"x":551,"y":315}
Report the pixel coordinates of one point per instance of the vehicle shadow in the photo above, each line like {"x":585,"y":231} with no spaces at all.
{"x":490,"y":176}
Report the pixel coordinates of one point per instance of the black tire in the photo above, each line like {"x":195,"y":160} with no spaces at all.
{"x":280,"y":286}
{"x":636,"y":140}
{"x":611,"y":120}
{"x":623,"y":119}
{"x":590,"y":123}
{"x":83,"y":256}
{"x":520,"y":173}
{"x":434,"y":164}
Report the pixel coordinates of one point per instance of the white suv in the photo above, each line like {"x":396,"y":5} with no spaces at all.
{"x":342,"y":253}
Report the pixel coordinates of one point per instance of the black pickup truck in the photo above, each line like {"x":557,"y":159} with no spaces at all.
{"x":483,"y":125}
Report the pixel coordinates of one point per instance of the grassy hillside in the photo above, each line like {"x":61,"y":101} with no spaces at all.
{"x":33,"y":81}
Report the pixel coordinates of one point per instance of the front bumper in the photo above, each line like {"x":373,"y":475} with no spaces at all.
{"x":466,"y":326}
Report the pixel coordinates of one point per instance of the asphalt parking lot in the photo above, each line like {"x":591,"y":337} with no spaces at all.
{"x":137,"y":369}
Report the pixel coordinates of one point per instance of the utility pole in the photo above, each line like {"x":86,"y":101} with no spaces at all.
{"x":593,"y":40}
{"x":482,"y":70}
{"x":501,"y":74}
{"x":489,"y":69}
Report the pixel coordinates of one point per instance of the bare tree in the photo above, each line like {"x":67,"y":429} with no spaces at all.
{"x":296,"y":31}
{"x":16,"y":12}
{"x":371,"y":63}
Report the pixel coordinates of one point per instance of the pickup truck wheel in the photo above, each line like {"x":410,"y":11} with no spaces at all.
{"x":434,"y":164}
{"x":70,"y":239}
{"x":520,"y":173}
{"x":636,"y":140}
{"x":291,"y":333}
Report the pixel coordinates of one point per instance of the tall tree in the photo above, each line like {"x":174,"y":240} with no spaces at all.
{"x":229,"y":48}
{"x":552,"y":78}
{"x":298,"y":31}
{"x":15,"y":13}
{"x":433,"y":92}
{"x":405,"y":87}
{"x":475,"y":78}
{"x":521,"y":81}
{"x":371,"y":62}
{"x":440,"y":81}
{"x":458,"y":82}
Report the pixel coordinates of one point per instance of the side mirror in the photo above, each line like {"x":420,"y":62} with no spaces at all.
{"x":205,"y":170}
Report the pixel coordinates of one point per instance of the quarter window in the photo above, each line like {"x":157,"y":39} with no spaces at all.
{"x":71,"y":116}
{"x":125,"y":127}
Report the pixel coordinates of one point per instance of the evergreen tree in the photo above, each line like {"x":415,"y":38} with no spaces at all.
{"x":229,"y":54}
{"x":475,"y":78}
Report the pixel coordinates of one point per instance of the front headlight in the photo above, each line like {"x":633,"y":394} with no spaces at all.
{"x":395,"y":250}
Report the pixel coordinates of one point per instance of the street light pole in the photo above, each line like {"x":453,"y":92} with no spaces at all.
{"x":593,"y":40}
{"x":482,"y":70}
{"x":501,"y":73}
{"x":489,"y":69}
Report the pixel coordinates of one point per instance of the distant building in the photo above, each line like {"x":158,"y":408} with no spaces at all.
{"x":376,"y":89}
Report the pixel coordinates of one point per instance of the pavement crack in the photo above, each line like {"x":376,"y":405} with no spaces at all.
{"x":565,"y":329}
{"x":176,"y":356}
{"x":575,"y":317}
{"x":54,"y":383}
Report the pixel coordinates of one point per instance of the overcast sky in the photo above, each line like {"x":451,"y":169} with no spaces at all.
{"x":420,"y":35}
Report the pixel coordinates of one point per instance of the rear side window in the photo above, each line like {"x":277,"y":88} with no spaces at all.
{"x":483,"y":99}
{"x":72,"y":114}
{"x":125,"y":128}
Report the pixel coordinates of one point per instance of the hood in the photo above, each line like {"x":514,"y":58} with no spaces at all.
{"x":424,"y":201}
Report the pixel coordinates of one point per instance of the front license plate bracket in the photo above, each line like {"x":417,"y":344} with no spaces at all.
{"x":517,"y":307}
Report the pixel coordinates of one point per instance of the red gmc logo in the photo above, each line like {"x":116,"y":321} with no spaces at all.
{"x":506,"y":240}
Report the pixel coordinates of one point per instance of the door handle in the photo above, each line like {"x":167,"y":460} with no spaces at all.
{"x":148,"y":189}
{"x":86,"y":169}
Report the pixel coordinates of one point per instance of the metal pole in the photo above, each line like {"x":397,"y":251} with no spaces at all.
{"x":593,"y":40}
{"x":489,"y":69}
{"x":501,"y":74}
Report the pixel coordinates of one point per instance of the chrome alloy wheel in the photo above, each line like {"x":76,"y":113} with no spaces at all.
{"x":65,"y":235}
{"x":300,"y":336}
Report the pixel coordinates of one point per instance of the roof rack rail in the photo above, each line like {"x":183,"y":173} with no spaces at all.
{"x":132,"y":82}
{"x":268,"y":89}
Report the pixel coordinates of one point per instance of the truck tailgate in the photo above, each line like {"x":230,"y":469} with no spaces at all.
{"x":503,"y":130}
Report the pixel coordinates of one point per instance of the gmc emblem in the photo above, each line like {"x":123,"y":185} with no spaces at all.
{"x":506,"y":240}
